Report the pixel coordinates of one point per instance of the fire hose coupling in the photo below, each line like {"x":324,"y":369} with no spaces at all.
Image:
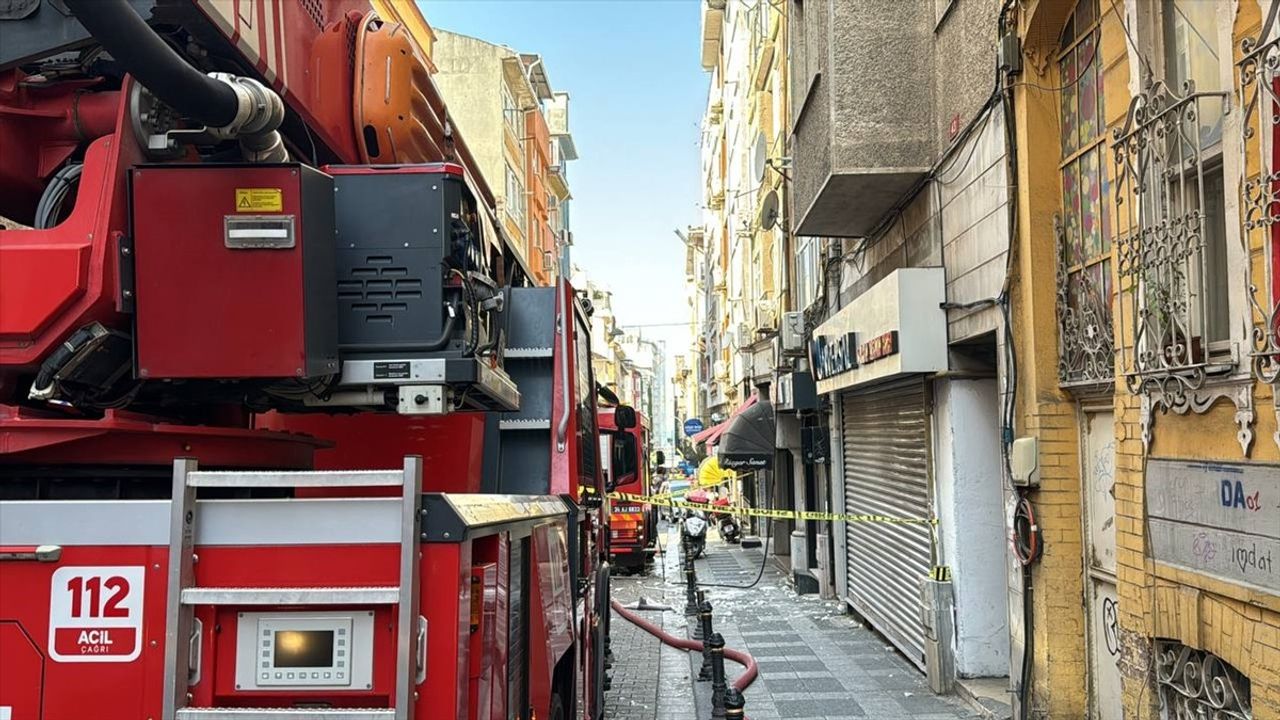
{"x":259,"y":109}
{"x":259,"y":112}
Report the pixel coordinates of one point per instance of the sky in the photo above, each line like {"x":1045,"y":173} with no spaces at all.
{"x":637,"y":91}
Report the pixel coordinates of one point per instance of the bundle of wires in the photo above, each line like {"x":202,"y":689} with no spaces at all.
{"x":49,"y":209}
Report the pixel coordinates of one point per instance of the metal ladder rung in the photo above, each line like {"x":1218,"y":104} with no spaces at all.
{"x":291,"y":596}
{"x":310,"y":478}
{"x":283,"y":713}
{"x":524,"y":424}
{"x":182,"y":594}
{"x":527,"y":352}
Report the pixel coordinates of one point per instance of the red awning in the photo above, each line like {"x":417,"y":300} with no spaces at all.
{"x":712,"y":434}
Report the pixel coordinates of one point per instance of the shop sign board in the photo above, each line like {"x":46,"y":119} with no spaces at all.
{"x":895,"y":328}
{"x":1220,"y":519}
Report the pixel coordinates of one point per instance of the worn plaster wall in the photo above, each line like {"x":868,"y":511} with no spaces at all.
{"x":810,"y":97}
{"x":881,"y":85}
{"x":970,"y":527}
{"x":470,"y":79}
{"x":964,"y":73}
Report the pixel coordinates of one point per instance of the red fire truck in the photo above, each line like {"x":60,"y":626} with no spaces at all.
{"x":283,"y":433}
{"x":633,"y":527}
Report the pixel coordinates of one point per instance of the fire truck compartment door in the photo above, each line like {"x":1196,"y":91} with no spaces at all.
{"x":21,"y":680}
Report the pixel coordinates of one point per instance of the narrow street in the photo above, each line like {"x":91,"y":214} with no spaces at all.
{"x":815,"y":663}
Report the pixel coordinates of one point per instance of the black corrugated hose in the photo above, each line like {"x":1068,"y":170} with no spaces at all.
{"x":123,"y":34}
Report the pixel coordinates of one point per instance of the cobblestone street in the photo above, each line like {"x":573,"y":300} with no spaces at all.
{"x":815,"y":663}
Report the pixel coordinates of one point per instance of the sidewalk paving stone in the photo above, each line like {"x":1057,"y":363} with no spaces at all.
{"x":815,"y":663}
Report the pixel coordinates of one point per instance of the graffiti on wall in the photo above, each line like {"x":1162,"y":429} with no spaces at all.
{"x":1222,"y":519}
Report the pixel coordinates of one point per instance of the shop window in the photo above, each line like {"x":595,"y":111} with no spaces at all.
{"x":1086,"y":352}
{"x":1170,"y":189}
{"x":1195,"y":684}
{"x":1259,"y":72}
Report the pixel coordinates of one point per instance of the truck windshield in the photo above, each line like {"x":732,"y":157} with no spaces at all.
{"x":624,"y":457}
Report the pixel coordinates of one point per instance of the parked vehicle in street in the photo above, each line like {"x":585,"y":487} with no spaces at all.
{"x":694,"y":528}
{"x":729,"y":529}
{"x":633,"y":526}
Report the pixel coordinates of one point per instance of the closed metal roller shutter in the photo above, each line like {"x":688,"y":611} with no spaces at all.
{"x":886,"y":442}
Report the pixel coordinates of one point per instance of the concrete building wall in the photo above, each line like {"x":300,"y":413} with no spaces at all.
{"x":539,"y":237}
{"x":881,"y":70}
{"x":470,"y":78}
{"x":963,"y":72}
{"x":971,"y":525}
{"x":810,"y":100}
{"x":960,"y":221}
{"x":974,"y":197}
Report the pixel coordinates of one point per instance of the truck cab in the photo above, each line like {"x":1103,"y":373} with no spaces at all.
{"x":633,"y":526}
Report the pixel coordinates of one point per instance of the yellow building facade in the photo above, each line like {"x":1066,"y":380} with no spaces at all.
{"x":744,"y":231}
{"x":1143,"y":305}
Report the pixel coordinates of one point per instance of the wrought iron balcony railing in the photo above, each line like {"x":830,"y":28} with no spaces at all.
{"x":1160,"y":159}
{"x":1086,"y":341}
{"x":1259,"y":90}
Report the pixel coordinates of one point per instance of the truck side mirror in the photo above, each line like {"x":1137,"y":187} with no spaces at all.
{"x":624,"y":417}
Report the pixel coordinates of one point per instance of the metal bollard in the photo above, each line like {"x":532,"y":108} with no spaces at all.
{"x":734,"y":704}
{"x":704,"y":625}
{"x":718,"y":685}
{"x":701,"y":597}
{"x":691,"y":592}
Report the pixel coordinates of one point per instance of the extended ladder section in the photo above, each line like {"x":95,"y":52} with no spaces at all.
{"x":181,"y":635}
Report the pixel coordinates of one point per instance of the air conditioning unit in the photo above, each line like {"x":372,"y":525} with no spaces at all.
{"x":766,"y":316}
{"x":744,"y":336}
{"x":792,"y":333}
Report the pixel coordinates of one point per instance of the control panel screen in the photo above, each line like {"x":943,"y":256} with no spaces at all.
{"x":303,"y":648}
{"x":309,"y":649}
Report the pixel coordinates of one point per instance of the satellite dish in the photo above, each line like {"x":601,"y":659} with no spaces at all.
{"x":769,"y":210}
{"x":760,"y":159}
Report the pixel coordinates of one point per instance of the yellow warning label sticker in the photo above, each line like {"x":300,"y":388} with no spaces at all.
{"x":259,"y":200}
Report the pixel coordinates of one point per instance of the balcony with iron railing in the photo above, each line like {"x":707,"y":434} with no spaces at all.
{"x":1259,"y":95}
{"x":1162,"y":157}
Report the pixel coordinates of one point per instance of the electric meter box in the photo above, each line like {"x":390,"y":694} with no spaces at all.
{"x":1024,"y":462}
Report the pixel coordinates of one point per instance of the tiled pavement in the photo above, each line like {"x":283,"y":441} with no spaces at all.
{"x":815,"y":663}
{"x":650,"y":680}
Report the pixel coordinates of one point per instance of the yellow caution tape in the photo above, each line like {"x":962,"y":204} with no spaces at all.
{"x":662,"y":501}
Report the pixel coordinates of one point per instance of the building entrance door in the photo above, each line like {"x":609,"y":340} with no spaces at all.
{"x":1098,"y":451}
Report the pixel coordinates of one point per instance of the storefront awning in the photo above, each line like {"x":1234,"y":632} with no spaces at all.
{"x":712,"y":434}
{"x":748,"y":443}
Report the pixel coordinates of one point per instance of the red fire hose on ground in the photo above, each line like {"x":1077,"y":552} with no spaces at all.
{"x":746,"y":661}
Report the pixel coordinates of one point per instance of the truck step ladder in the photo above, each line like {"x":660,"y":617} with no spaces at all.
{"x":183,"y":595}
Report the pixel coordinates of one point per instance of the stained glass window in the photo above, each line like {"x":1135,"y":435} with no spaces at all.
{"x":1086,"y":217}
{"x":1085,"y":240}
